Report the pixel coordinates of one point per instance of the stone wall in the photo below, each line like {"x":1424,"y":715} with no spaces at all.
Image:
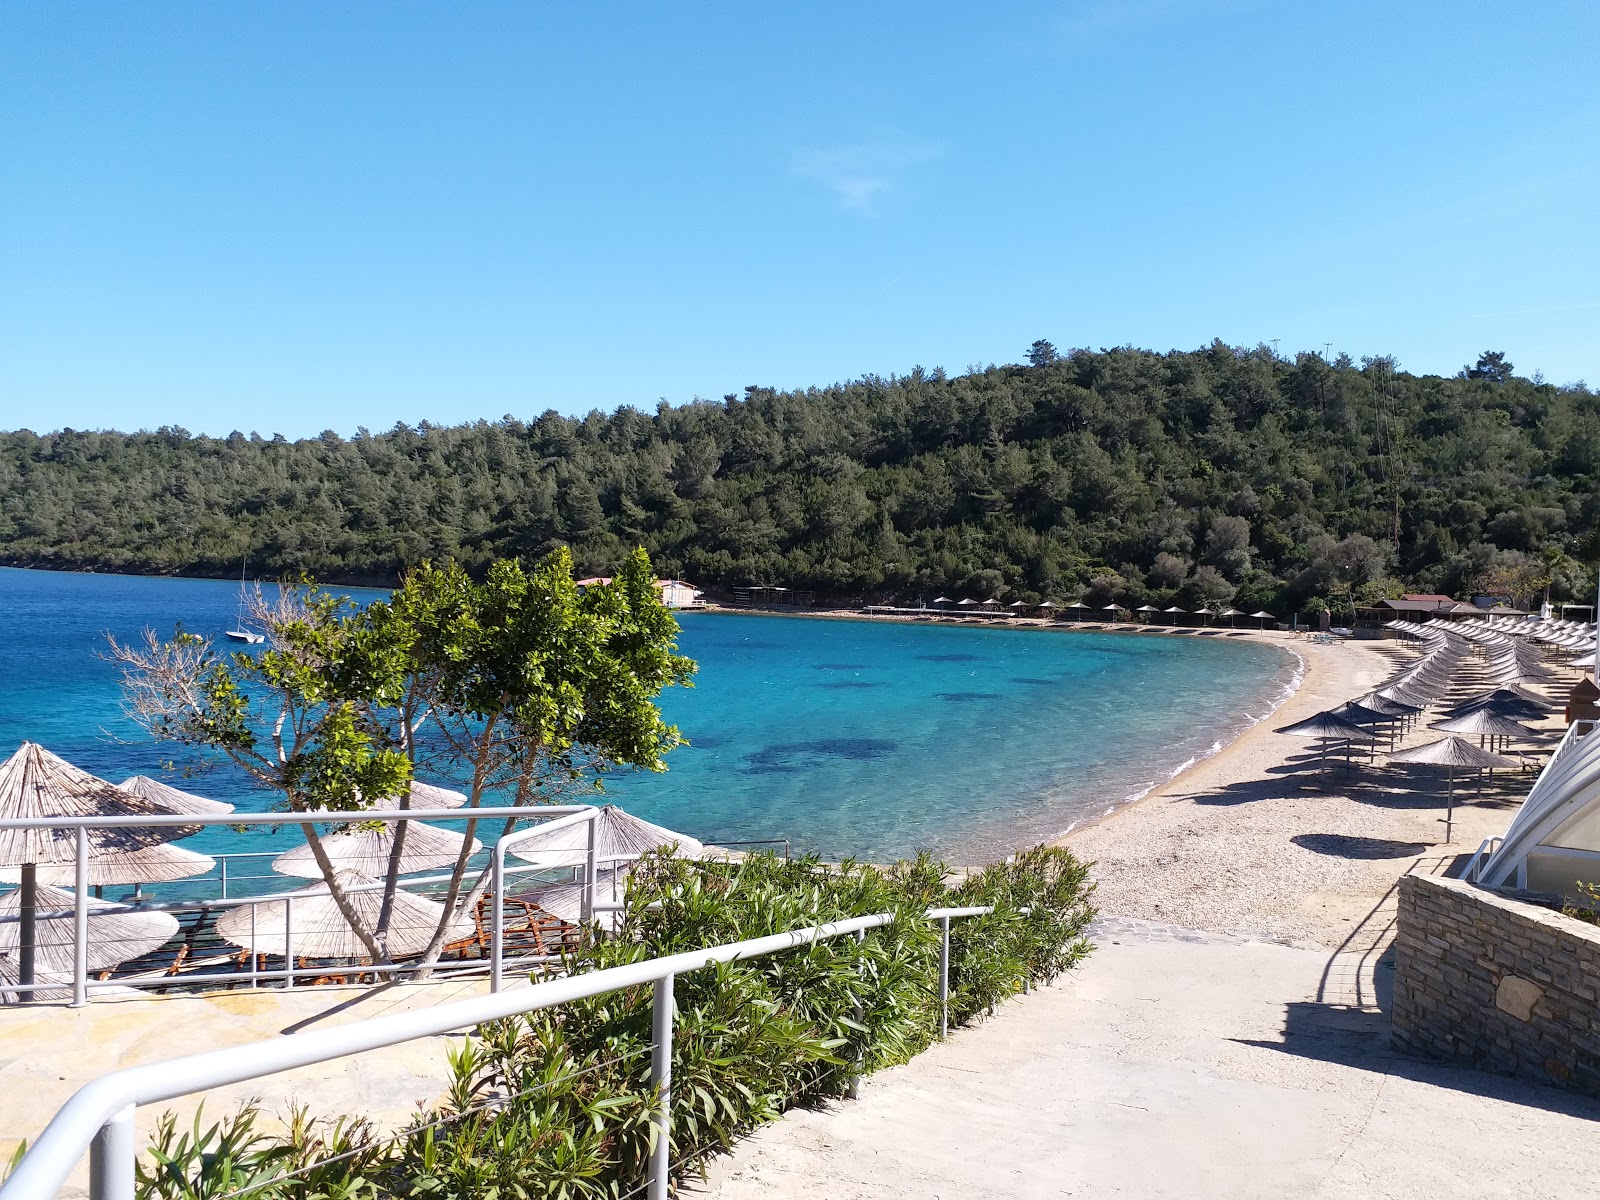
{"x":1496,"y":983}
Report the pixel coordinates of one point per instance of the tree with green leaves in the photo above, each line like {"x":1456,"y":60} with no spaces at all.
{"x":516,"y":683}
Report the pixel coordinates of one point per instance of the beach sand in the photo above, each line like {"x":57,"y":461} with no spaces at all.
{"x":1254,"y":841}
{"x":1251,"y":841}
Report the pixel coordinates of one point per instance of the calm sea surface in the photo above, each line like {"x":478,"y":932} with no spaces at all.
{"x":848,"y":737}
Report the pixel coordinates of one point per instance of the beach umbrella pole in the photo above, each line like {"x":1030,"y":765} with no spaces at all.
{"x":1450,"y":806}
{"x":26,"y":929}
{"x":80,"y":921}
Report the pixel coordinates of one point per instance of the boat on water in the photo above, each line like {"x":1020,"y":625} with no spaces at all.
{"x":239,"y":633}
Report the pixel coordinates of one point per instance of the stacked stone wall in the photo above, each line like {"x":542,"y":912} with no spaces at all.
{"x":1489,"y":981}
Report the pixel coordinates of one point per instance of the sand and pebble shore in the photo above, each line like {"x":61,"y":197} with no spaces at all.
{"x":1251,"y":841}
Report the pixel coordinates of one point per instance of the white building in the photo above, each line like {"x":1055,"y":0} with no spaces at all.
{"x":675,"y":593}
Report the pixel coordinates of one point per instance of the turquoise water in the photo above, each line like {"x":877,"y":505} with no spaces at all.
{"x":860,"y":738}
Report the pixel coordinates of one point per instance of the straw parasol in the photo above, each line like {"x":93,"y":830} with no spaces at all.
{"x":170,"y":799}
{"x":1327,"y":727}
{"x":367,"y":851}
{"x":1147,"y":608}
{"x":1452,"y":752}
{"x":424,"y":795}
{"x":565,"y":900}
{"x":943,"y":600}
{"x":163,"y":863}
{"x":1263,"y":617}
{"x":619,"y":836}
{"x":318,"y":929}
{"x":965,"y":600}
{"x":1485,"y":724}
{"x":116,"y":932}
{"x":35,"y":783}
{"x":1045,"y":604}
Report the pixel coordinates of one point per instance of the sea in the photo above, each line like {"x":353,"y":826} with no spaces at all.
{"x":866,"y":738}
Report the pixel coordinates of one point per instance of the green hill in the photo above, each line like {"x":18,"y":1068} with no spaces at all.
{"x":1218,"y":475}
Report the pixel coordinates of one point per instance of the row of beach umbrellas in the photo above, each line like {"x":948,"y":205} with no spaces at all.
{"x":37,"y":920}
{"x":1494,"y":718}
{"x":1078,"y":605}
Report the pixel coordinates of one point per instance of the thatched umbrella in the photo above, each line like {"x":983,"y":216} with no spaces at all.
{"x":1452,"y":752}
{"x":317,"y":929}
{"x":116,"y":932}
{"x":1503,"y":702}
{"x":1263,"y":617}
{"x":1176,"y":612}
{"x":618,"y":837}
{"x":1147,"y":608}
{"x":1079,"y":605}
{"x":36,"y":784}
{"x":1326,"y":728}
{"x":172,"y":800}
{"x":367,"y":851}
{"x":1360,"y":714}
{"x":1484,"y":724}
{"x":153,"y":864}
{"x":565,"y":900}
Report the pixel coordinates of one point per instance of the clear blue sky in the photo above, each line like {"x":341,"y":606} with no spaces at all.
{"x":290,"y":217}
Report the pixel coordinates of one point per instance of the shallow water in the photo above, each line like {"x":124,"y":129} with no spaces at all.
{"x":862,"y":738}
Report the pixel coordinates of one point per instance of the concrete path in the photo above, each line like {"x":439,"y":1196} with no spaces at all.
{"x":48,"y":1052}
{"x":1187,"y":1065}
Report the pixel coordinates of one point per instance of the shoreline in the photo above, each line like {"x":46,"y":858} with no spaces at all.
{"x":1292,"y":645}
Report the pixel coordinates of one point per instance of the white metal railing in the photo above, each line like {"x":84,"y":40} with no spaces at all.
{"x":99,"y":1117}
{"x":27,"y":984}
{"x":1485,"y":851}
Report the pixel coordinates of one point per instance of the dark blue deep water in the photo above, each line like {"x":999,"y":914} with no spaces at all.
{"x":858,"y":738}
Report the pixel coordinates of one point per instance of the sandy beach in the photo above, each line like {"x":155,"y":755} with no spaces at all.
{"x":1251,"y":841}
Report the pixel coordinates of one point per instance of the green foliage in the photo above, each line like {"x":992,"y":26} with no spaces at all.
{"x":1589,"y":911}
{"x":559,"y":1103}
{"x":518,"y":680}
{"x":1045,"y":474}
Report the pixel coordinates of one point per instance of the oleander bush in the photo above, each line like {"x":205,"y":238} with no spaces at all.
{"x":557,"y":1104}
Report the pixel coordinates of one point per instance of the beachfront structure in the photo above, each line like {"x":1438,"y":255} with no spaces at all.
{"x":1553,"y":842}
{"x":1424,"y":608}
{"x":675,"y":593}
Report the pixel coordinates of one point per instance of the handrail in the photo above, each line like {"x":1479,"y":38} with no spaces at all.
{"x":28,"y":983}
{"x":99,"y":1116}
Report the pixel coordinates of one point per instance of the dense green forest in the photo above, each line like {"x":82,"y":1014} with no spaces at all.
{"x":1210,"y":476}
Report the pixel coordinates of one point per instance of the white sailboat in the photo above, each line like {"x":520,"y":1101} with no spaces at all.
{"x":239,"y":633}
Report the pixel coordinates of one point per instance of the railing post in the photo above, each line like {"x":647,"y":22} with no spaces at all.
{"x":659,"y":1173}
{"x":255,"y":950}
{"x":589,"y":870}
{"x":223,"y":863}
{"x":111,"y":1159}
{"x":944,"y":977}
{"x":80,"y":921}
{"x":497,"y":919}
{"x":853,"y":1090}
{"x":288,"y":941}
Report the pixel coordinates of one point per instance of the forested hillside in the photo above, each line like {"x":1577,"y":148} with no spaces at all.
{"x":1208,"y":476}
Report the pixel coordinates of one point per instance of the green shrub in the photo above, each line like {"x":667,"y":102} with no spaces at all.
{"x":557,"y":1103}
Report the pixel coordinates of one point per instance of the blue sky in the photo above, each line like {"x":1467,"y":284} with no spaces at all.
{"x":292,"y":217}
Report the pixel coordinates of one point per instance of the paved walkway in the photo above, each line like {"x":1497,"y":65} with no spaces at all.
{"x":1183,"y":1065}
{"x":51,"y":1051}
